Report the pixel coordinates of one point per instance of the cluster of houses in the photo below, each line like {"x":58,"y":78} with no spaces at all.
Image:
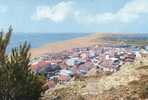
{"x":61,"y":67}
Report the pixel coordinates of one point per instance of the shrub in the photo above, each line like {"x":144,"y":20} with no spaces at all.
{"x":16,"y":80}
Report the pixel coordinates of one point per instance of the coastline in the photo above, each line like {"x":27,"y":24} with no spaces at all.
{"x":67,"y":44}
{"x":84,"y":41}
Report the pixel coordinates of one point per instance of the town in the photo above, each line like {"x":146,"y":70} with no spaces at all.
{"x":63,"y":66}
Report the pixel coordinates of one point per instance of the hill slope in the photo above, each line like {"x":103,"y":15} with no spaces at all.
{"x":130,"y":82}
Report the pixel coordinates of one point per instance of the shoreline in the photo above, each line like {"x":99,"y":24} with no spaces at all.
{"x":64,"y":45}
{"x":79,"y":42}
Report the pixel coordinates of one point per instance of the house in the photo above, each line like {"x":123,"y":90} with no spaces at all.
{"x":146,"y":48}
{"x":136,"y":52}
{"x":144,"y":53}
{"x":63,"y":78}
{"x":92,"y":54}
{"x":72,"y":61}
{"x":51,"y":84}
{"x":64,"y":75}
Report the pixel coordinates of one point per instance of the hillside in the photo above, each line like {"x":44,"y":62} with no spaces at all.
{"x":129,"y":83}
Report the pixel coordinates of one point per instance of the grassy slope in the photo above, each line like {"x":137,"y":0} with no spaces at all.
{"x":128,"y":83}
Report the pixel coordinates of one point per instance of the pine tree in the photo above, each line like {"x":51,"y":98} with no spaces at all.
{"x":16,"y":80}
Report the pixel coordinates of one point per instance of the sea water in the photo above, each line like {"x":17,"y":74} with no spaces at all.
{"x":39,"y":39}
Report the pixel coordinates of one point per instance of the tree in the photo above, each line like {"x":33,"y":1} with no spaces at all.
{"x":16,"y":80}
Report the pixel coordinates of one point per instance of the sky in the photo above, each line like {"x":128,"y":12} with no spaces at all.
{"x":75,"y":16}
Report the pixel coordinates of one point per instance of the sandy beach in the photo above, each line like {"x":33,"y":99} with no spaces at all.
{"x":60,"y":46}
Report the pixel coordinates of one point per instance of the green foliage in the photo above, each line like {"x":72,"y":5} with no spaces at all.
{"x":144,"y":92}
{"x":16,"y":80}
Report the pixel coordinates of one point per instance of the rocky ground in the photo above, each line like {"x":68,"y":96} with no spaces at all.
{"x":129,"y":83}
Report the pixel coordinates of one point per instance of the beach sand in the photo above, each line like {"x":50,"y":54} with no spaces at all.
{"x":60,"y":46}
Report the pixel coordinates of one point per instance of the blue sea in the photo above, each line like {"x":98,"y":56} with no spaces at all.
{"x":39,"y":39}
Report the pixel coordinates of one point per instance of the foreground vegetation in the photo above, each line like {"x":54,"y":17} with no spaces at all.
{"x":16,"y":80}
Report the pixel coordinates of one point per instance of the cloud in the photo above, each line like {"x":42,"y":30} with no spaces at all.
{"x":56,"y":13}
{"x":133,"y":10}
{"x":3,"y":9}
{"x":129,"y":13}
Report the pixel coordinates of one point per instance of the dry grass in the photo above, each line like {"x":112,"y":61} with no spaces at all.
{"x":66,"y":92}
{"x":143,"y":67}
{"x":129,"y":83}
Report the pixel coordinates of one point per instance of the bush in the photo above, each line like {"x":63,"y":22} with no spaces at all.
{"x":16,"y":80}
{"x":145,"y":91}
